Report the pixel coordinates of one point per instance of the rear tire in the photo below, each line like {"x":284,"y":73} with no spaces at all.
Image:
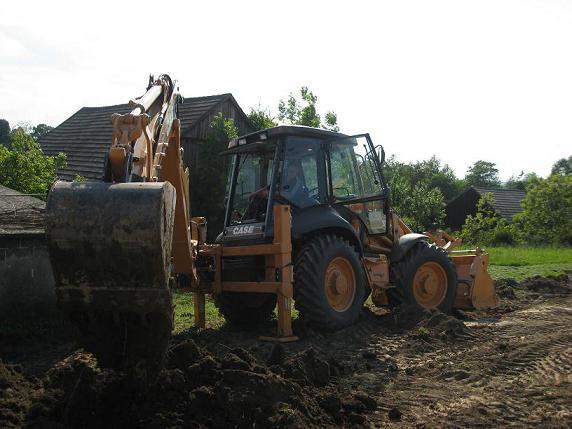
{"x":245,"y":309}
{"x":328,"y":283}
{"x":426,"y":278}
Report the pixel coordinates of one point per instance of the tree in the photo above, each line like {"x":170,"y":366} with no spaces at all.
{"x":40,"y":130}
{"x":419,"y":206}
{"x":484,"y":174}
{"x":547,"y":211}
{"x":4,"y":133}
{"x":25,"y":168}
{"x":431,"y":173}
{"x":303,"y":112}
{"x":563,"y":166}
{"x":487,"y":226}
{"x":211,"y":173}
{"x":260,"y":119}
{"x":521,"y":182}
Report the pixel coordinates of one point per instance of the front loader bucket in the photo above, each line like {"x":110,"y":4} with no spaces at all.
{"x":475,"y":287}
{"x":110,"y":249}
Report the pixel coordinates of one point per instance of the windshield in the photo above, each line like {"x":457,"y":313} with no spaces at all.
{"x":300,"y":185}
{"x":251,"y":187}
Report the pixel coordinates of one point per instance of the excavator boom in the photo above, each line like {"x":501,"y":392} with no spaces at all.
{"x":111,"y":241}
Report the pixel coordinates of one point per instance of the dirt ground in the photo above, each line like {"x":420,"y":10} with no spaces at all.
{"x":511,"y":366}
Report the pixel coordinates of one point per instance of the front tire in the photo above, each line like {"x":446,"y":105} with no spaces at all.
{"x":328,"y":283}
{"x":425,"y":277}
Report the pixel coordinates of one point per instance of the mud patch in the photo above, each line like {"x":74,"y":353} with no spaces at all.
{"x":16,"y":396}
{"x":551,"y":285}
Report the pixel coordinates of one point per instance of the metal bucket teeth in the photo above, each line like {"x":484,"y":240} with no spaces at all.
{"x":110,"y":248}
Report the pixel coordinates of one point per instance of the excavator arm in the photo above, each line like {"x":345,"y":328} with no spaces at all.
{"x":114,"y":244}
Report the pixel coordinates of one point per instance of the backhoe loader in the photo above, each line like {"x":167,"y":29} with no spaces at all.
{"x":307,"y":221}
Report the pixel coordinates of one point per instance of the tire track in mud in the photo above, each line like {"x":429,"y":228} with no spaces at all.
{"x":516,"y":372}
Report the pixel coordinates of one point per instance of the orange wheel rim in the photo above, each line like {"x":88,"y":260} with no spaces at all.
{"x":430,"y":285}
{"x":340,"y":284}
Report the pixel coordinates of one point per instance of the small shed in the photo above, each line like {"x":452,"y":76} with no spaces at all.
{"x":26,"y":279}
{"x":85,"y":137}
{"x":507,"y":203}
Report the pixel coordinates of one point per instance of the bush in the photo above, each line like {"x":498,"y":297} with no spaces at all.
{"x":487,"y":227}
{"x":547,"y":211}
{"x":25,"y":168}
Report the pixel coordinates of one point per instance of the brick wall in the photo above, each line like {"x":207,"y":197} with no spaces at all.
{"x":26,"y":279}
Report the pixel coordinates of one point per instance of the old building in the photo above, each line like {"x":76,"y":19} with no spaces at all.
{"x":85,"y":137}
{"x":26,"y":280}
{"x":507,"y":203}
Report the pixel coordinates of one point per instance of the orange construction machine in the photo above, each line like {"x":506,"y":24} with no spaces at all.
{"x":307,"y":221}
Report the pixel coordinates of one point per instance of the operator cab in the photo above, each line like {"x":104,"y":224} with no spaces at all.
{"x":315,"y":171}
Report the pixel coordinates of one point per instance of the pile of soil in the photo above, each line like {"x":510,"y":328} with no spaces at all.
{"x":512,"y":292}
{"x":16,"y":396}
{"x":505,"y":288}
{"x":199,"y":388}
{"x":550,"y":285}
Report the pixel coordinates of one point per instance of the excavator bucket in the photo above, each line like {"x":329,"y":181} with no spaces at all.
{"x":475,"y":287}
{"x":110,"y":248}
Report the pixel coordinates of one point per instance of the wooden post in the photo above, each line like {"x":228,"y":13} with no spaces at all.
{"x":199,"y":305}
{"x":283,"y":264}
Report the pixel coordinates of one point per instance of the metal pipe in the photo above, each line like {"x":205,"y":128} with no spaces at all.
{"x":143,"y":103}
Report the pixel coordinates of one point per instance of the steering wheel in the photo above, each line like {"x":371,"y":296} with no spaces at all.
{"x":345,"y":197}
{"x":313,"y":195}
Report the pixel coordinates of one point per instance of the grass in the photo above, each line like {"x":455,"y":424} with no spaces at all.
{"x":522,"y":272}
{"x":522,"y":262}
{"x":525,"y":256}
{"x":184,"y":312}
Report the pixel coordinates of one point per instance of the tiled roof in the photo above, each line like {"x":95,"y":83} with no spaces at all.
{"x":507,"y":201}
{"x":86,"y":136}
{"x":20,"y":212}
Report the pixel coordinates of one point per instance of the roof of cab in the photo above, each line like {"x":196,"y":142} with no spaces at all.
{"x":297,"y":130}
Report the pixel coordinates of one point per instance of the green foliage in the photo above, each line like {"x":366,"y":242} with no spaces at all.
{"x":547,"y":211}
{"x":419,"y":206}
{"x":419,"y":191}
{"x":483,"y":173}
{"x":40,"y":130}
{"x":208,"y":178}
{"x":487,"y":227}
{"x":25,"y":168}
{"x":430,"y":172}
{"x":79,"y":179}
{"x":303,"y":111}
{"x":4,"y":132}
{"x":521,"y":182}
{"x":563,"y":166}
{"x":260,"y":119}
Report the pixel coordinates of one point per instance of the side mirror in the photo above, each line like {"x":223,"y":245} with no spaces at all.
{"x":380,"y":154}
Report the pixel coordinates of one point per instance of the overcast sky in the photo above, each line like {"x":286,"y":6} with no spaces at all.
{"x":464,"y":80}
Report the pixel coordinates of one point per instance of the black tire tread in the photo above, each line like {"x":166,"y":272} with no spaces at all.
{"x":403,"y":272}
{"x":308,"y":283}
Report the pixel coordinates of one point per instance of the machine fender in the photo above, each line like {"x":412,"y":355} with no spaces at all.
{"x":321,"y":218}
{"x":404,"y":245}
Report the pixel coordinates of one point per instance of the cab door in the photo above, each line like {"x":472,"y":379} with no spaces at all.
{"x":356,"y":182}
